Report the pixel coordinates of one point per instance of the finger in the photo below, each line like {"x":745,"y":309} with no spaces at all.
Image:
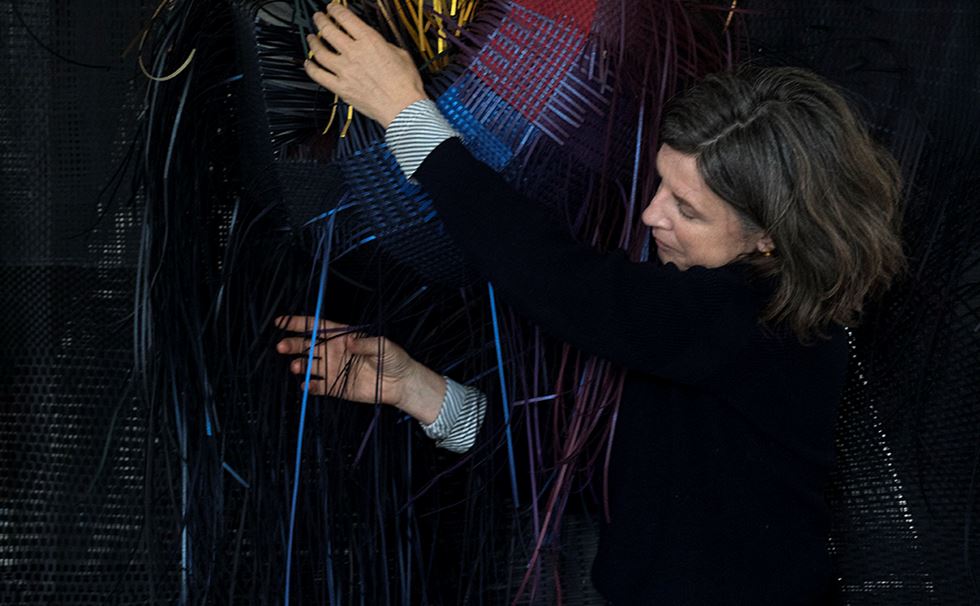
{"x":293,"y":345}
{"x":357,"y":28}
{"x":328,"y":30}
{"x":298,"y":367}
{"x":325,"y":58}
{"x":323,"y":387}
{"x":317,"y":387}
{"x":322,"y":77}
{"x":305,"y":324}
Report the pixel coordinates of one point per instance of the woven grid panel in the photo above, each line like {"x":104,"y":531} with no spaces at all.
{"x":73,"y":478}
{"x":65,"y":360}
{"x":530,"y":53}
{"x":400,"y":215}
{"x":25,"y":129}
{"x":71,"y":433}
{"x":904,"y":496}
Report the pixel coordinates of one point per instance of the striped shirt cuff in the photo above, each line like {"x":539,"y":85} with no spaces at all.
{"x":459,"y":419}
{"x":417,"y":130}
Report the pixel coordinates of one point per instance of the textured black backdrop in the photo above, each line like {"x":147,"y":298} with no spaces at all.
{"x":72,"y":437}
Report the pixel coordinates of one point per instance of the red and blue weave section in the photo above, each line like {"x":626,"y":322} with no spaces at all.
{"x":526,"y":84}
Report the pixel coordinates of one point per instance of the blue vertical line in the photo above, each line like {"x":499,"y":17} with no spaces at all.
{"x":410,"y":514}
{"x":181,"y":426}
{"x":503,"y":396}
{"x":332,"y":592}
{"x":636,"y":172}
{"x":306,"y":396}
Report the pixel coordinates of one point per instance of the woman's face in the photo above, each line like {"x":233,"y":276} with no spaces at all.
{"x":690,"y":223}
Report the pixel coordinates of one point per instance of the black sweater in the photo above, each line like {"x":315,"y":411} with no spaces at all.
{"x":724,"y":439}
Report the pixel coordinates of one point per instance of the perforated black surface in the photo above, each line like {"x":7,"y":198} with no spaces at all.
{"x":71,"y":434}
{"x":905,"y":492}
{"x":73,"y":437}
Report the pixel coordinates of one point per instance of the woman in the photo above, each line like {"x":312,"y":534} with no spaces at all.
{"x":775,"y":219}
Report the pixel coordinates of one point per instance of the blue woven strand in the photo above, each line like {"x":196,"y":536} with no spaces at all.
{"x":306,"y":395}
{"x":503,"y":396}
{"x":181,"y":428}
{"x":484,"y":144}
{"x":235,"y":475}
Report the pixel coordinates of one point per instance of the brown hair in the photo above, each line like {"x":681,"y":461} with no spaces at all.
{"x":782,"y":146}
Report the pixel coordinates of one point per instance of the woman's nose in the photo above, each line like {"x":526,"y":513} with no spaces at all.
{"x":653,"y":215}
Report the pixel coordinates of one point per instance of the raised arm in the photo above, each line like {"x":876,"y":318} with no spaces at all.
{"x":650,"y":317}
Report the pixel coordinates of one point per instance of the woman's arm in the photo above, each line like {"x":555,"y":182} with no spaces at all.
{"x":460,"y":417}
{"x":650,"y":317}
{"x":373,"y":369}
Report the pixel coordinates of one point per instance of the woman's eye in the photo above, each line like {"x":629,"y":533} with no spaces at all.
{"x":683,"y":211}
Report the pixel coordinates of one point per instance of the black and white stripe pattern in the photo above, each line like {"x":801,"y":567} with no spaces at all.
{"x":417,"y":130}
{"x":460,"y":417}
{"x":412,"y":135}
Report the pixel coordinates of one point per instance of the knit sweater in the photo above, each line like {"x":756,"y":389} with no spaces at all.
{"x":724,"y":440}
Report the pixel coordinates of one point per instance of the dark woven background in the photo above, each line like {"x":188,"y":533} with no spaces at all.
{"x":72,"y":436}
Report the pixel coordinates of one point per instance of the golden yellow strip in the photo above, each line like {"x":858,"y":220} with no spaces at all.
{"x":437,"y":8}
{"x":333,"y":114}
{"x":391,"y":24}
{"x":418,"y":18}
{"x":350,"y":118}
{"x":731,"y":11}
{"x":466,"y":13}
{"x":404,"y":18}
{"x":139,"y":52}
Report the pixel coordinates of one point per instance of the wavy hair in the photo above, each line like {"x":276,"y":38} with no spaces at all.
{"x":784,"y":148}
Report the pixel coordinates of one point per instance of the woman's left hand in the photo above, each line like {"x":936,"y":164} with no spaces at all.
{"x":361,"y":368}
{"x":377,"y":78}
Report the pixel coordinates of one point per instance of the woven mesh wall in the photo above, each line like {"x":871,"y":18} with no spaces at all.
{"x":905,"y":495}
{"x":72,"y":437}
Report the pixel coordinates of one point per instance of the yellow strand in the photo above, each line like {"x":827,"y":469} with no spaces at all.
{"x":402,"y":16}
{"x":333,"y":114}
{"x":464,"y":19}
{"x":350,"y":118}
{"x":139,"y":55}
{"x":440,"y":41}
{"x":412,"y":17}
{"x":391,"y":24}
{"x":418,"y":18}
{"x":731,"y":11}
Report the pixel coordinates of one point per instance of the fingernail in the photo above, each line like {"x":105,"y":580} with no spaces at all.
{"x":281,"y":346}
{"x":309,"y":55}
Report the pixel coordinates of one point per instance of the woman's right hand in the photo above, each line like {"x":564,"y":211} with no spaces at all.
{"x":377,"y":369}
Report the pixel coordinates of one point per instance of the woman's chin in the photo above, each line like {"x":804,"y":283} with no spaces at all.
{"x":667,"y":256}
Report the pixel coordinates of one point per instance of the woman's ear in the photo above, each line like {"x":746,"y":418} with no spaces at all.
{"x":765,"y":245}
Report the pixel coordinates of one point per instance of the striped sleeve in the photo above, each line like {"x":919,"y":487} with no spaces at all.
{"x":459,"y":419}
{"x":417,"y":130}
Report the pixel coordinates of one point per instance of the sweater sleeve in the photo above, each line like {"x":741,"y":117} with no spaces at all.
{"x":415,"y":132}
{"x":459,"y":419}
{"x":651,"y":317}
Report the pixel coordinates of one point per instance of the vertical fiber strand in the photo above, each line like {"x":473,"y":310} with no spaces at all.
{"x":503,"y":396}
{"x":324,"y":263}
